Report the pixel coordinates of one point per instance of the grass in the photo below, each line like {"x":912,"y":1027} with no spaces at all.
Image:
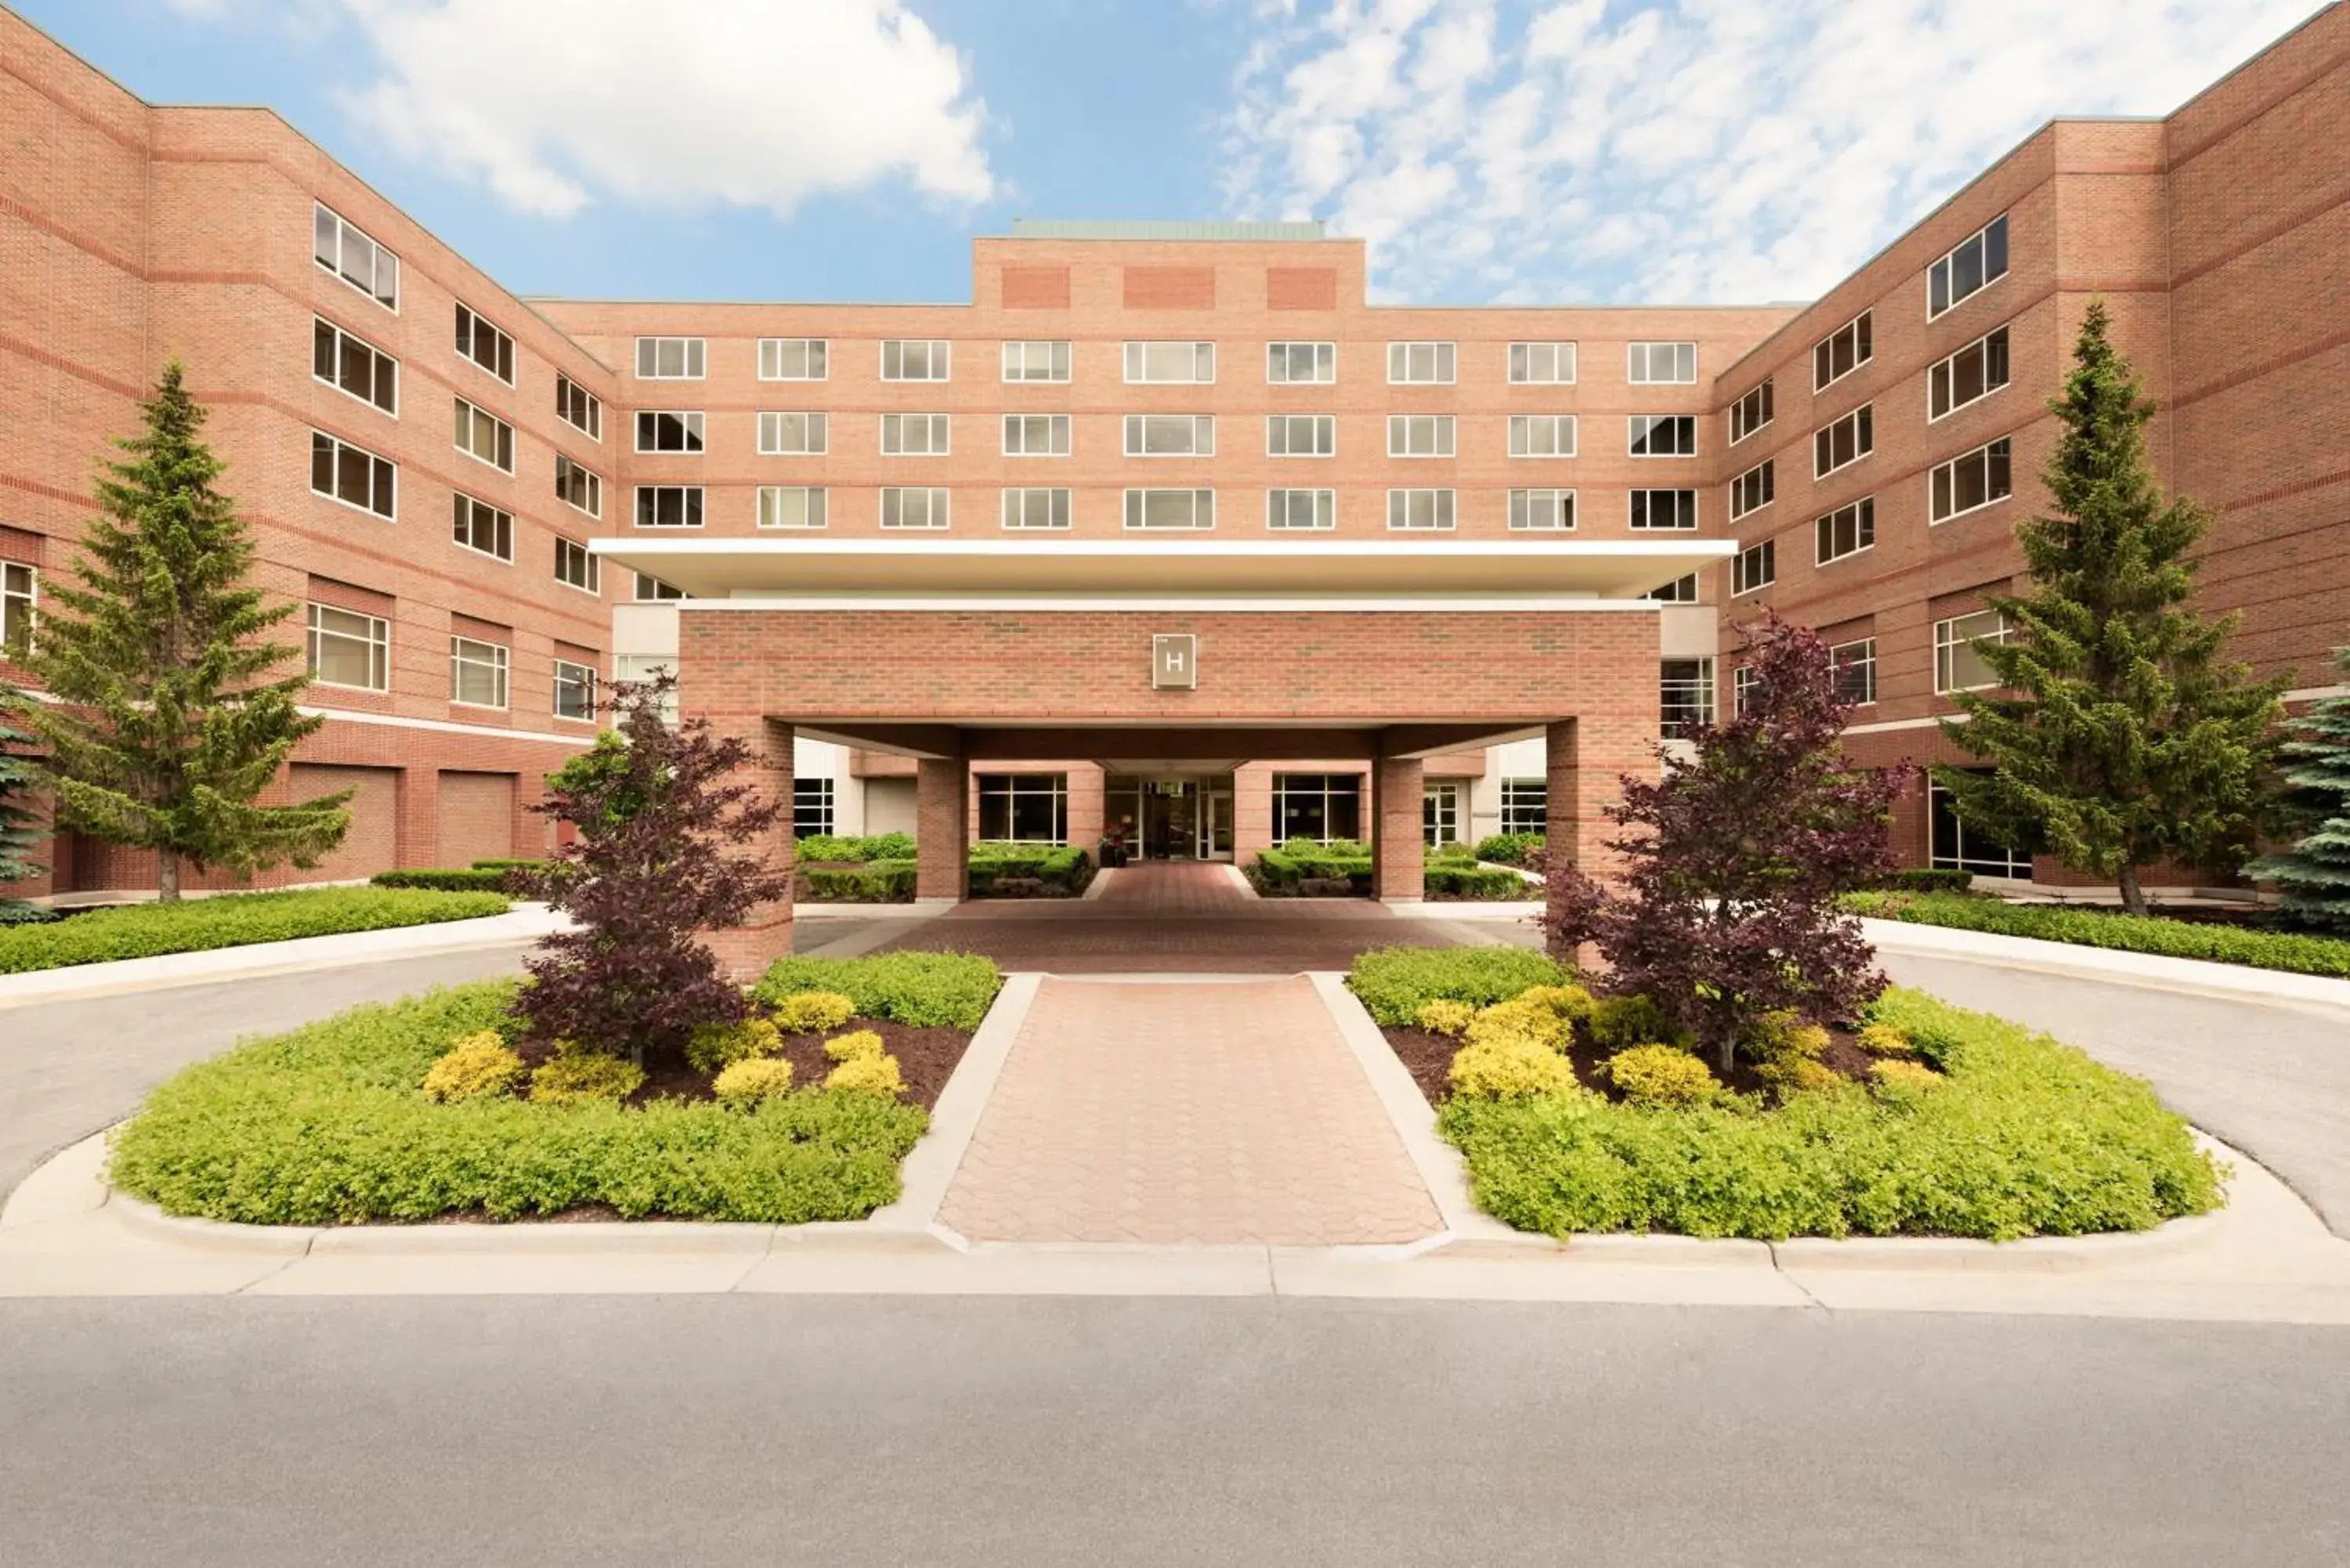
{"x":238,"y":919}
{"x":2294,"y":952}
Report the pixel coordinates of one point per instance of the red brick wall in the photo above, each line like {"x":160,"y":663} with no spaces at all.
{"x":476,"y":816}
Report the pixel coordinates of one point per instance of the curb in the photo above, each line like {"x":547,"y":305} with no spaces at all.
{"x":931,"y":1165}
{"x":2201,"y":977}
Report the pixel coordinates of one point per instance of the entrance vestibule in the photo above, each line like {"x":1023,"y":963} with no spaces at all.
{"x":1174,"y":817}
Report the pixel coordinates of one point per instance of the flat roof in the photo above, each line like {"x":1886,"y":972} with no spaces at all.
{"x":1165,"y":228}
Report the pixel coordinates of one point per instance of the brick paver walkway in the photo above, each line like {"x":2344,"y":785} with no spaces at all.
{"x":1185,"y":1112}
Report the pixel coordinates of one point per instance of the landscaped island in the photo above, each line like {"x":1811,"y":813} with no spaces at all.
{"x":229,"y":920}
{"x":2294,"y":952}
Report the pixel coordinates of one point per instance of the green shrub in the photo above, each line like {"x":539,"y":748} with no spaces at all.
{"x":873,"y":847}
{"x":717,"y":1046}
{"x":917,"y":989}
{"x":236,"y":920}
{"x":876,"y":882}
{"x":2293,"y":953}
{"x":444,"y":879}
{"x":1444,"y":1016}
{"x":1663,"y":1077}
{"x":1884,"y":1040}
{"x":1394,"y":983}
{"x":1521,"y":1020}
{"x":1619,"y":1022}
{"x":1064,"y":870}
{"x":496,"y":863}
{"x":1781,"y":1037}
{"x":870,"y":1073}
{"x":1899,"y":1080}
{"x":1469,"y":881}
{"x":1513,"y":850}
{"x":480,"y":1064}
{"x":1792,"y":1074}
{"x":850,"y":1047}
{"x":1932,"y":879}
{"x":1510,"y":1068}
{"x":814,"y":1011}
{"x":580,"y":1077}
{"x":746,"y":1084}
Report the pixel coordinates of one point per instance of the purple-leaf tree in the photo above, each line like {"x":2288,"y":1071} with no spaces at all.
{"x":658,"y":813}
{"x":1733,"y":863}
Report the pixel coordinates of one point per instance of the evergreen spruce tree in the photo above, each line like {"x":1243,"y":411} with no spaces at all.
{"x":167,"y":724}
{"x":18,"y":833}
{"x":2124,"y":741}
{"x":2314,"y":874}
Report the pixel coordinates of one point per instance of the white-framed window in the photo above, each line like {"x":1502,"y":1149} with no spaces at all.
{"x":794,"y":359}
{"x":1542,"y":364}
{"x":1743,"y":682}
{"x":1174,"y":362}
{"x":1031,"y":507}
{"x":1420,"y":364}
{"x":348,"y":649}
{"x":1420,"y":435}
{"x":1971,"y":374}
{"x":1959,"y":665}
{"x":478,"y":672}
{"x":914,"y":506}
{"x":1023,"y":808}
{"x":343,"y":248}
{"x":915,"y":435}
{"x":791,"y":434}
{"x":1681,"y":590}
{"x":577,"y":407}
{"x":1526,"y":806}
{"x":1170,"y":435}
{"x":1845,"y":442}
{"x":355,"y":477}
{"x":1971,"y":481}
{"x":669,"y":358}
{"x":1301,"y":435}
{"x":669,"y":430}
{"x":1657,"y":510}
{"x":1957,"y":848}
{"x":1842,"y":351}
{"x":812,"y":814}
{"x":642,"y":669}
{"x":1661,"y":435}
{"x":1684,"y":697}
{"x":1171,"y":509}
{"x":1974,"y":264}
{"x":917,"y":360}
{"x":20,"y":601}
{"x":1542,"y":511}
{"x":575,"y":567}
{"x":791,"y":507}
{"x":668,"y":506}
{"x":354,"y":367}
{"x":1320,"y":806}
{"x":1036,"y":360}
{"x":1755,"y":566}
{"x":1298,"y":511}
{"x":1420,"y":511}
{"x":652,"y":590}
{"x":1847,"y":531}
{"x":1660,"y":364}
{"x":1291,"y":363}
{"x":482,"y":435}
{"x":1750,"y":413}
{"x":575,"y":690}
{"x":1035,"y":435}
{"x":484,"y":343}
{"x":482,"y":527}
{"x":580,"y":488}
{"x":1541,"y":435}
{"x":1754,"y":489}
{"x":1854,"y":665}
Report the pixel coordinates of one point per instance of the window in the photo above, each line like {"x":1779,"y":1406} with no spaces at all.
{"x":1842,"y":352}
{"x":1978,"y":261}
{"x":1542,"y":364}
{"x":1301,"y":509}
{"x":1975,"y":372}
{"x":19,"y":601}
{"x":1958,"y":847}
{"x":652,"y":590}
{"x":915,"y":359}
{"x":1681,"y":590}
{"x":1757,"y":565}
{"x":1170,"y":362}
{"x":1293,"y":362}
{"x":1023,"y":809}
{"x":1526,"y":806}
{"x":1036,"y":360}
{"x":643,"y":669}
{"x":355,"y":478}
{"x":1685,"y":697}
{"x":1035,"y":435}
{"x":1420,"y":435}
{"x":574,"y":405}
{"x":1959,"y":665}
{"x":1035,"y":508}
{"x":1743,"y":681}
{"x":1750,"y":413}
{"x":1754,"y":489}
{"x":1170,"y":435}
{"x":1655,"y":509}
{"x":904,"y":507}
{"x":350,"y":364}
{"x":577,"y":486}
{"x":1420,"y":511}
{"x":1654,"y":364}
{"x":1663,"y":435}
{"x":484,"y":344}
{"x":811,"y":808}
{"x":793,"y":359}
{"x":1419,"y":364}
{"x":1542,"y":511}
{"x":342,"y":249}
{"x":791,"y":507}
{"x":482,"y":435}
{"x":669,"y":431}
{"x":576,"y":566}
{"x":575,"y":690}
{"x":1301,"y":435}
{"x":668,"y":506}
{"x":482,"y":527}
{"x":791,"y":435}
{"x":350,"y":650}
{"x":914,"y":435}
{"x":1847,"y":531}
{"x":1973,"y":480}
{"x":477,"y":673}
{"x":1171,"y":508}
{"x":1854,"y":665}
{"x":1541,"y":435}
{"x":1320,"y":806}
{"x":669,"y":358}
{"x":1845,"y":442}
{"x":1440,"y":813}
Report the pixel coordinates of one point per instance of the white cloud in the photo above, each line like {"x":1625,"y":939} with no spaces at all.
{"x":757,"y":103}
{"x":1707,"y":150}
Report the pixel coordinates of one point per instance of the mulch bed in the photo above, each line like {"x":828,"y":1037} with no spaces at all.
{"x":1428,"y":1057}
{"x":926,"y":1059}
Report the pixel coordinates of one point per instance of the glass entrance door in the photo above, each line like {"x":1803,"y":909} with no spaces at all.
{"x":1216,"y":822}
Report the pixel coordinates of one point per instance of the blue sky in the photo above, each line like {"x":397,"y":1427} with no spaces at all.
{"x":1548,"y":150}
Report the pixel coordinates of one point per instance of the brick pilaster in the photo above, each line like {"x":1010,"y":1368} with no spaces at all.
{"x":766,"y":934}
{"x":1397,"y":845}
{"x":942,"y":827}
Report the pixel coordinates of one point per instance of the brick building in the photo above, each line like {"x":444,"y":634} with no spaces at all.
{"x":1168,"y":532}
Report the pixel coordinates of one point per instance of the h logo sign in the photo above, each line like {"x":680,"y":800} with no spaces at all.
{"x":1175,"y":660}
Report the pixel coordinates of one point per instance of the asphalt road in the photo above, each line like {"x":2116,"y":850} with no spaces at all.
{"x":1035,"y":1432}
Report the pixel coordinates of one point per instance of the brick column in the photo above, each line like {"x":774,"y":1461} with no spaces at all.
{"x":417,"y":799}
{"x":1588,"y":759}
{"x":1396,"y":842}
{"x":744,"y":951}
{"x":942,"y":827}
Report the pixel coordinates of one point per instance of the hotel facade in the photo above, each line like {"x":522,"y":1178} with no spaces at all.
{"x":1168,"y":534}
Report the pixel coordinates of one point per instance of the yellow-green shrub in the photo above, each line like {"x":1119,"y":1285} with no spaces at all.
{"x":1510,"y":1066}
{"x":1568,"y":1004}
{"x":813,"y":1012}
{"x":1661,"y":1076}
{"x":864,"y":1043}
{"x":1620,"y":1023}
{"x":1794,"y":1074}
{"x":1444,"y":1016}
{"x":717,"y":1046}
{"x":746,"y":1082}
{"x":1778,"y":1036}
{"x":1885,"y":1040}
{"x":1518,"y":1019}
{"x":1899,"y":1080}
{"x":868,"y":1074}
{"x":583,"y":1077}
{"x":479,"y":1064}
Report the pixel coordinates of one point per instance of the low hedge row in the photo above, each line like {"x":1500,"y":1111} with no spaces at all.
{"x":1931,"y":879}
{"x":494,"y":876}
{"x":1395,"y":983}
{"x":229,"y":921}
{"x":875,"y":882}
{"x":2294,"y":952}
{"x":1524,"y":849}
{"x":1472,"y":881}
{"x":1064,"y":870}
{"x":872,"y":846}
{"x":917,"y":989}
{"x":1285,"y":869}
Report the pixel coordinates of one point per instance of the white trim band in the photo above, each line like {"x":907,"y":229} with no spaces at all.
{"x":580,"y":741}
{"x":1100,"y":604}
